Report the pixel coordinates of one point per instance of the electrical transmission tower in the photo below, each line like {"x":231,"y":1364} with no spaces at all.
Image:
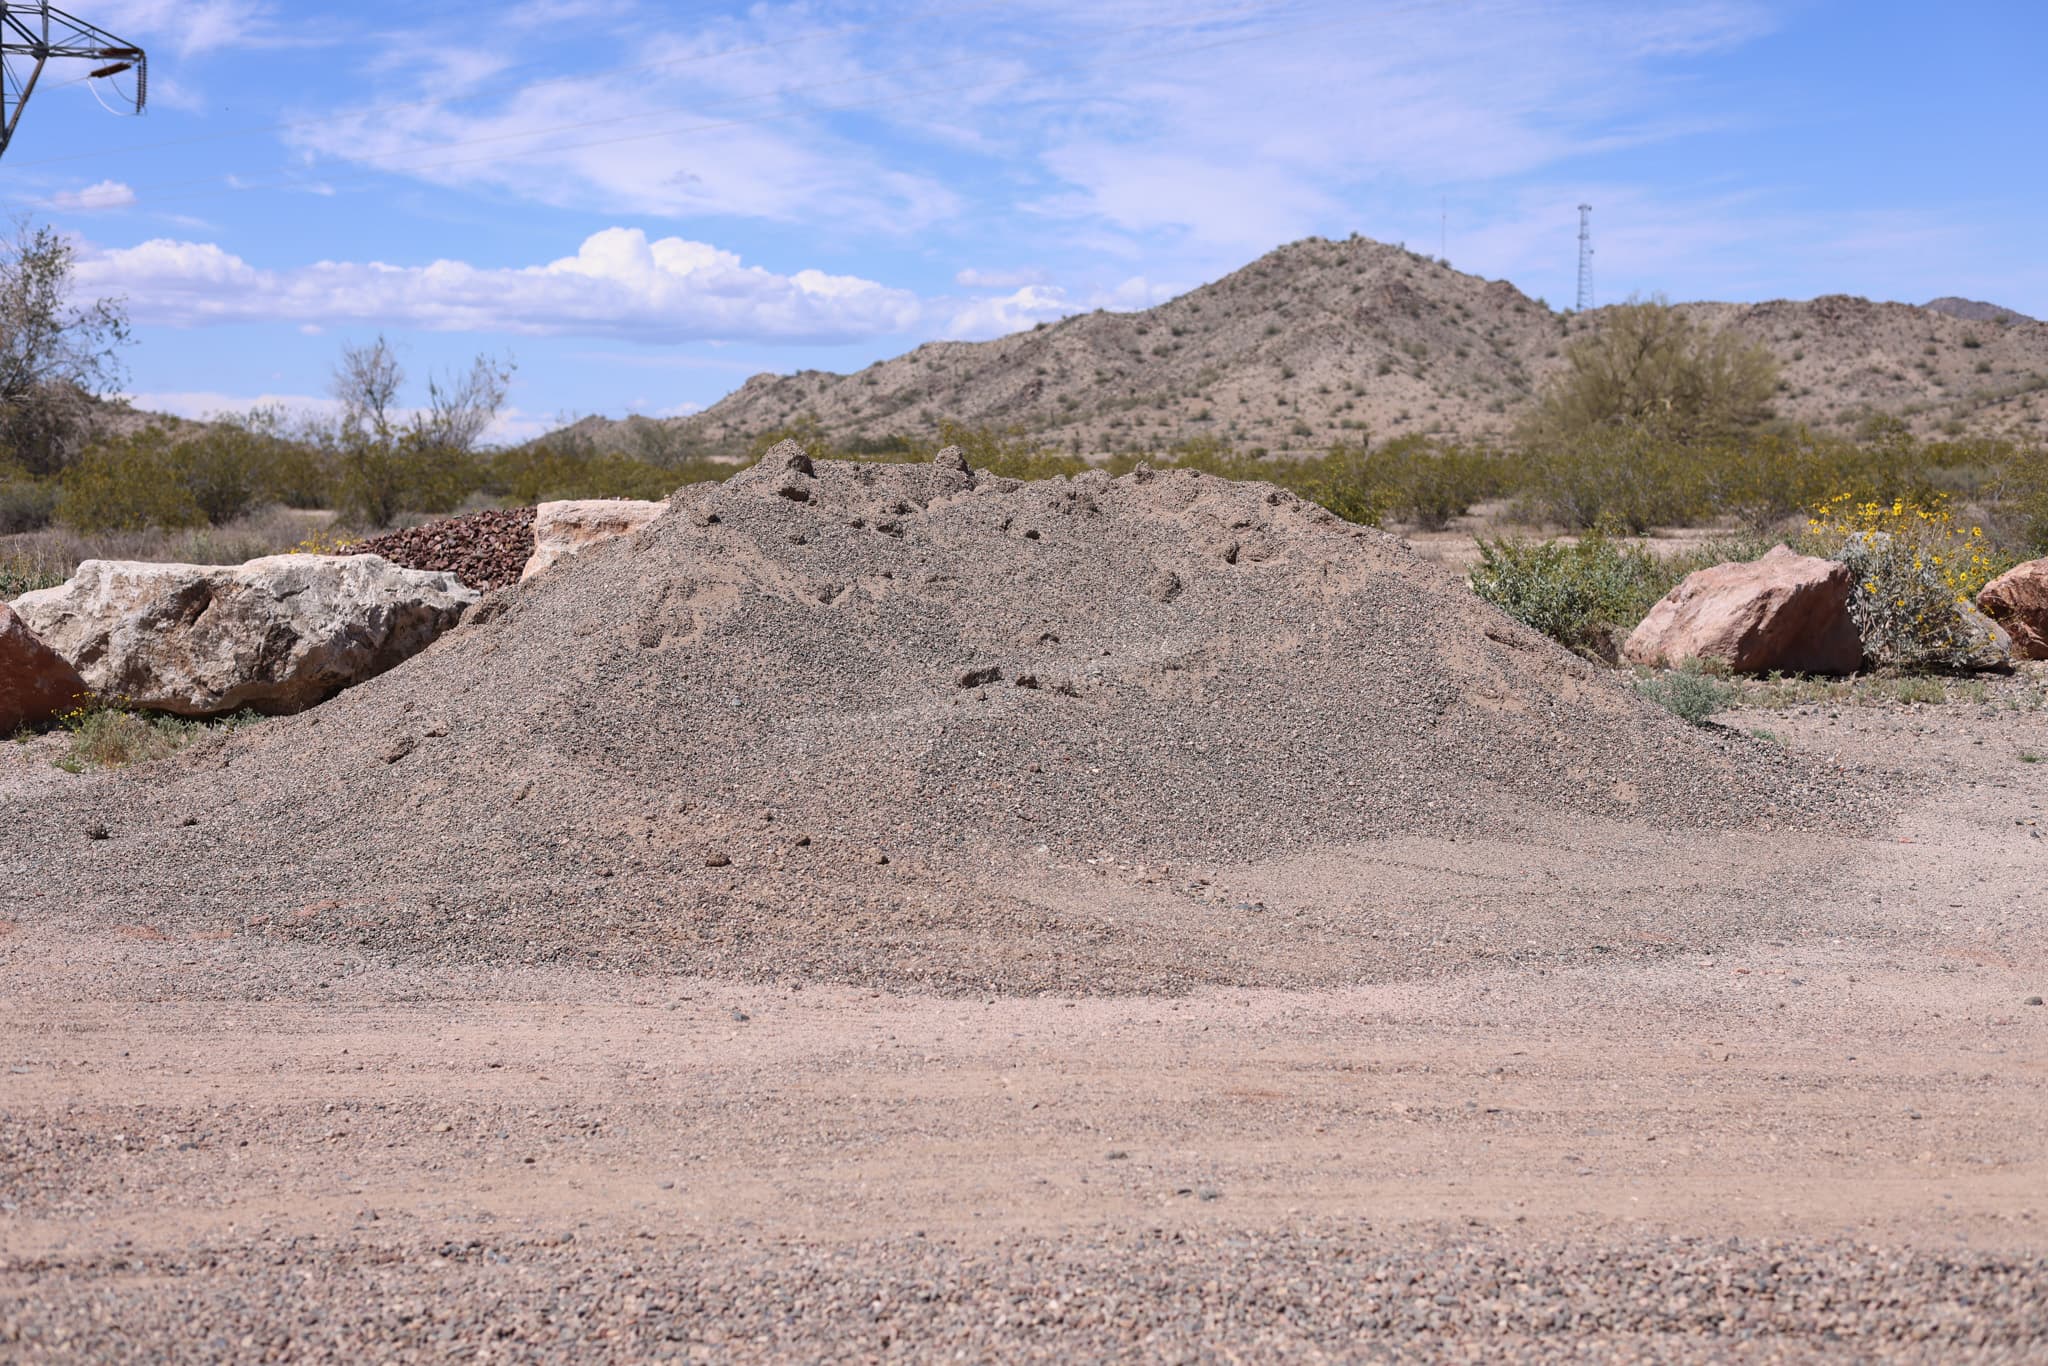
{"x":32,"y":35}
{"x":1585,"y":257}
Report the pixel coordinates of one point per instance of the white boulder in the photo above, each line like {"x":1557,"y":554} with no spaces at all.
{"x":278,"y":634}
{"x":574,"y":525}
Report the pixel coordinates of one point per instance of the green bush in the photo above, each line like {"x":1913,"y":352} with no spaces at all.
{"x":1579,"y":595}
{"x":1689,"y":692}
{"x":27,"y":504}
{"x":1649,"y":368}
{"x":1430,"y":484}
{"x":1613,"y":479}
{"x":544,"y":471}
{"x":130,"y":483}
{"x":209,"y":475}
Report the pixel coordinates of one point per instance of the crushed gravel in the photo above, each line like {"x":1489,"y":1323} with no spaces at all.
{"x":485,"y":550}
{"x":1222,"y":1295}
{"x":900,"y":724}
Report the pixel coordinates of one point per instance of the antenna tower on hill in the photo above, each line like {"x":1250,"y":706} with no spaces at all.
{"x":1585,"y":257}
{"x":32,"y":35}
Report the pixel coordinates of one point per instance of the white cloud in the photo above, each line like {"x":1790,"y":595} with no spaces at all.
{"x":1029,"y":306}
{"x":199,"y":25}
{"x":108,"y":194}
{"x":970,"y":278}
{"x":709,"y":122}
{"x":1138,"y":293}
{"x":619,"y":284}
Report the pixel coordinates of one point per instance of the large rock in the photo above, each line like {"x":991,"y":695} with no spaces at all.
{"x":1786,"y":612}
{"x":36,"y":683}
{"x":277,"y":634}
{"x":573,"y":526}
{"x":2018,"y":601}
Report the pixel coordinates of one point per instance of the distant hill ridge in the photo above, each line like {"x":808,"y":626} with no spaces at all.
{"x":1322,"y":341}
{"x":1975,"y":311}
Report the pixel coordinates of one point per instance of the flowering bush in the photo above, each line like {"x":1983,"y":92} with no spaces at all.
{"x":1916,"y":571}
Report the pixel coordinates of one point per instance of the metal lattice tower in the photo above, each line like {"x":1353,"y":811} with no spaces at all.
{"x":33,"y":35}
{"x":1585,"y":257}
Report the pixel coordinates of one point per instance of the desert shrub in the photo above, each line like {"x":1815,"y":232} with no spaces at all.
{"x":1650,"y":368}
{"x":2018,"y":488}
{"x":1613,"y":479}
{"x":543,"y":471}
{"x":209,"y":475}
{"x":1689,"y":692}
{"x":26,"y":504}
{"x":1916,"y":567}
{"x":128,"y":483}
{"x":1580,"y":595}
{"x":1430,"y":483}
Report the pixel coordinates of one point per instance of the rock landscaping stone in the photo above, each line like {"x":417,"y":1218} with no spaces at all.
{"x":276,"y":635}
{"x":485,"y":550}
{"x":2018,"y":601}
{"x":568,"y":528}
{"x":1785,"y":611}
{"x":36,"y":683}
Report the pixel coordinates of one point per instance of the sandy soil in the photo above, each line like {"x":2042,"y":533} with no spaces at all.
{"x":1821,"y":1139}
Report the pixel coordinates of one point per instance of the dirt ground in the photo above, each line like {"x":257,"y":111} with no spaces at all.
{"x":1825,"y":1138}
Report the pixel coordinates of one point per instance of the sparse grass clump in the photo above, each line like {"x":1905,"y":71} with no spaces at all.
{"x":1690,"y":692}
{"x":104,"y":736}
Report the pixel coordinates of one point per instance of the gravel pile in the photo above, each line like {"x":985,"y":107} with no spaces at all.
{"x":900,"y":724}
{"x":1172,"y":1297}
{"x":485,"y":550}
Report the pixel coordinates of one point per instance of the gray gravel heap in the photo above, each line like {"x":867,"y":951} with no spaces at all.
{"x":1215,"y":1295}
{"x":843,"y":721}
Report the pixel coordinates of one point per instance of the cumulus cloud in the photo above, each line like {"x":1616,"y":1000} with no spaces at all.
{"x":108,"y":194}
{"x":970,"y":278}
{"x":981,"y":319}
{"x":619,"y":284}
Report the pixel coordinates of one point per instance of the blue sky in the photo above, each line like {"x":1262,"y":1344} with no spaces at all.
{"x":645,"y":203}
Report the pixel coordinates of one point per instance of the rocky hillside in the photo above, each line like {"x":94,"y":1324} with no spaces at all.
{"x":1324,"y":341}
{"x":1976,"y":310}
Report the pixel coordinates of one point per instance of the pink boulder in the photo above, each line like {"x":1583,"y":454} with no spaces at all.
{"x":2018,"y":601}
{"x":1785,"y":612}
{"x":36,"y":683}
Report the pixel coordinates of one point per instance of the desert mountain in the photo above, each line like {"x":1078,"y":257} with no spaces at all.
{"x":1324,"y":341}
{"x":1976,"y":310}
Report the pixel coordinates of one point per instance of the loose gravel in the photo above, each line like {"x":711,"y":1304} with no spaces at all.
{"x":904,"y":725}
{"x":1175,"y":1297}
{"x":485,"y":550}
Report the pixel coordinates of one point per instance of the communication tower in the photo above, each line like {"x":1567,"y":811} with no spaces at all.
{"x":1585,"y":257}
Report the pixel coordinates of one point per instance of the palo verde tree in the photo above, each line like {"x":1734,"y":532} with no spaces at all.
{"x":390,"y":460}
{"x":1650,"y":369}
{"x":57,"y":356}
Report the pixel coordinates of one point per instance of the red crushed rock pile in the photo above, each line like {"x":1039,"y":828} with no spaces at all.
{"x":485,"y":550}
